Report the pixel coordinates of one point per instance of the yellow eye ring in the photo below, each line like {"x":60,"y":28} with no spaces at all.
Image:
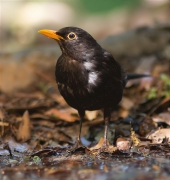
{"x":72,"y":36}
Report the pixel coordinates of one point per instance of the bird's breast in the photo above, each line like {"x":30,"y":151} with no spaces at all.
{"x":71,"y":74}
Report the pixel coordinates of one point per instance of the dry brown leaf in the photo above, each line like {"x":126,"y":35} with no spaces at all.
{"x":58,"y":98}
{"x":159,"y":135}
{"x":91,"y":115}
{"x":71,"y":110}
{"x":162,"y":117}
{"x":97,"y":146}
{"x":24,"y":128}
{"x":60,"y":114}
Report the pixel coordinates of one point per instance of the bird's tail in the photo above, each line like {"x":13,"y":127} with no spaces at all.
{"x":130,"y":76}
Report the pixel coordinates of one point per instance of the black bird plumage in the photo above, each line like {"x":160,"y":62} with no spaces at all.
{"x":88,"y":77}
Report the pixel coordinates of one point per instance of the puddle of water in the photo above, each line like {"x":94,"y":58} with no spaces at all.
{"x":86,"y":167}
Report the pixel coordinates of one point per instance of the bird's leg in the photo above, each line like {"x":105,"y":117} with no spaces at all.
{"x":81,"y":114}
{"x":78,"y":143}
{"x":107,"y":115}
{"x":103,"y":145}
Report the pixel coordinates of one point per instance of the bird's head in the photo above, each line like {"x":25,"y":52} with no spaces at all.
{"x":74,"y":42}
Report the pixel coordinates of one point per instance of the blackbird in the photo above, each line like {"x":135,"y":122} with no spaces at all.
{"x":88,"y":77}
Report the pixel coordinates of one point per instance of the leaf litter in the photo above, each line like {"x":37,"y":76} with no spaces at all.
{"x":38,"y":128}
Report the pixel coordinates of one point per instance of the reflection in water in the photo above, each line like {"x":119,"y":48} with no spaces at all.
{"x":85,"y":167}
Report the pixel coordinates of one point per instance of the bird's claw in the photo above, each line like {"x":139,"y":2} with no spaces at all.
{"x":78,"y":146}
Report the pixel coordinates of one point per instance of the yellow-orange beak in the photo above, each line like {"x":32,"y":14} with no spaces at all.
{"x":50,"y":34}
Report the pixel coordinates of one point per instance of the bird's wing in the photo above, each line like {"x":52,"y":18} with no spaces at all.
{"x":113,"y":68}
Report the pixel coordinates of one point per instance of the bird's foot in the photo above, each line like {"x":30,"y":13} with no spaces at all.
{"x":77,"y":146}
{"x":103,"y":146}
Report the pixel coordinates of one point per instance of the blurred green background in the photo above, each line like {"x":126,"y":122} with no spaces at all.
{"x":95,"y":6}
{"x":20,"y":20}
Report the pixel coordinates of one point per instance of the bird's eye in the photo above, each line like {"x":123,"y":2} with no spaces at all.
{"x":72,"y":36}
